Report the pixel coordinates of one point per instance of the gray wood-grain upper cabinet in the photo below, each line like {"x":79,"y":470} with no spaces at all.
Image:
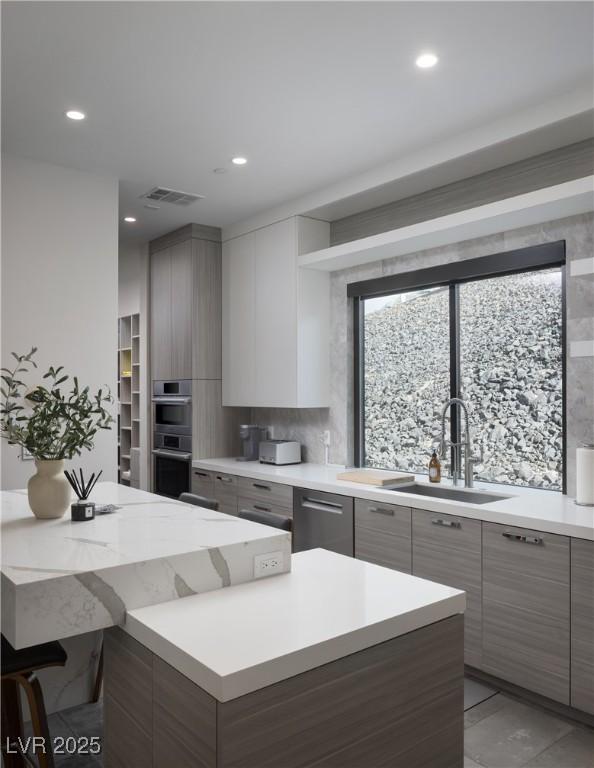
{"x":161,"y":366}
{"x":526,"y":609}
{"x":206,"y":310}
{"x":186,"y":310}
{"x":182,"y":298}
{"x":447,"y":549}
{"x":582,"y":625}
{"x":383,"y":534}
{"x":171,"y":312}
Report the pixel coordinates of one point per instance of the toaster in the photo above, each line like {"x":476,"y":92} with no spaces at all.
{"x":280,"y":452}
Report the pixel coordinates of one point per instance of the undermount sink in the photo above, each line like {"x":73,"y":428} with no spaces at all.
{"x":468,"y":495}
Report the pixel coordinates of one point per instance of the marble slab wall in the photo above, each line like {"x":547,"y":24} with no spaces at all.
{"x":577,"y":231}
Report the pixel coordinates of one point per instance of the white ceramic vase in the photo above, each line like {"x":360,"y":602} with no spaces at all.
{"x":49,"y":490}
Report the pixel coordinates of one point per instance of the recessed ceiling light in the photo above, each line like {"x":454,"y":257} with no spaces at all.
{"x":239,"y":160}
{"x":426,"y":60}
{"x":129,"y":219}
{"x":74,"y":114}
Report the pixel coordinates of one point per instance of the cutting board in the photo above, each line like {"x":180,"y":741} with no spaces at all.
{"x":379,"y":477}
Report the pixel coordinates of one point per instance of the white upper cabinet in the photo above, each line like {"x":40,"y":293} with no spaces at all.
{"x":276,"y":318}
{"x":239,"y":320}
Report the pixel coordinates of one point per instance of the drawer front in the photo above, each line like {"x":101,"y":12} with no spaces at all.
{"x":447,"y":549}
{"x":258,"y":505}
{"x":225,"y":492}
{"x":203,"y":483}
{"x":261,"y":491}
{"x":582,"y":625}
{"x":526,"y":608}
{"x":383,"y":534}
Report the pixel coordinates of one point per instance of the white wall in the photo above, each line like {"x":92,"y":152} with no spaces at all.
{"x":60,"y":286}
{"x":132,"y":277}
{"x":133,"y":290}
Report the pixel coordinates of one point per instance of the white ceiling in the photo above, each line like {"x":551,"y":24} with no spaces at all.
{"x":311,"y":93}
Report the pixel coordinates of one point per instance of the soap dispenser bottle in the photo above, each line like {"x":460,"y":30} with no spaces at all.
{"x":434,"y":469}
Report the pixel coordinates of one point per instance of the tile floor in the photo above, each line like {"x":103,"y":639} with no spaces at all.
{"x":500,"y":732}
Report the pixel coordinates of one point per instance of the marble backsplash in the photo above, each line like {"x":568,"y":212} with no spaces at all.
{"x":307,"y":425}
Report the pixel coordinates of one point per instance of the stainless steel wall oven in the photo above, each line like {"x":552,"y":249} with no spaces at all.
{"x":172,"y":437}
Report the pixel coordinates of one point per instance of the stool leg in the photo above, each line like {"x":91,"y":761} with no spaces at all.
{"x":12,"y":722}
{"x":34,"y":693}
{"x":98,"y":678}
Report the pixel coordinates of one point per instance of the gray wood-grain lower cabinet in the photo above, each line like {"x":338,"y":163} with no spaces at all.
{"x":203,"y":483}
{"x":447,"y":549}
{"x":526,"y":609}
{"x":383,"y":534}
{"x":127,"y":702}
{"x":263,"y":496}
{"x":582,"y":625}
{"x":398,"y":704}
{"x":225,"y":492}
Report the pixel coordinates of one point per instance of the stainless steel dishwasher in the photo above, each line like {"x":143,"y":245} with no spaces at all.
{"x":322,"y":520}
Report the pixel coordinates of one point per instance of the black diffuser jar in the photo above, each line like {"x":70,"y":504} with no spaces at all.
{"x":83,"y":509}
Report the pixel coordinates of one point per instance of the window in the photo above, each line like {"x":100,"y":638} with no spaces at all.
{"x":490,"y":331}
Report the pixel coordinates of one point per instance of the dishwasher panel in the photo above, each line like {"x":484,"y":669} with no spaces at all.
{"x":322,"y":520}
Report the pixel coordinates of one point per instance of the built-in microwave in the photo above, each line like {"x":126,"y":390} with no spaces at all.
{"x":172,"y":406}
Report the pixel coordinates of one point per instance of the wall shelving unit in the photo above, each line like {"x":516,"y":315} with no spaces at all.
{"x":129,"y":373}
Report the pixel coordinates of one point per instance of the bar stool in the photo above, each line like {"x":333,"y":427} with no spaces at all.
{"x":267,"y":518}
{"x":199,"y":501}
{"x":19,"y":670}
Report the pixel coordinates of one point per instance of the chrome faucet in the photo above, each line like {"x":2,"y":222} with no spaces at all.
{"x":469,"y":459}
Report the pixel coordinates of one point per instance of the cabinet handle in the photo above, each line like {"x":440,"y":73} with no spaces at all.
{"x":523,"y":538}
{"x":262,"y":486}
{"x":224,"y":479}
{"x":446,"y":523}
{"x":381,"y":511}
{"x":200,"y":474}
{"x":321,"y":502}
{"x":262,"y":508}
{"x":321,"y":505}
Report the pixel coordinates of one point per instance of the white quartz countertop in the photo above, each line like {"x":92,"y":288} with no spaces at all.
{"x":250,"y":636}
{"x":539,"y":510}
{"x":61,"y":578}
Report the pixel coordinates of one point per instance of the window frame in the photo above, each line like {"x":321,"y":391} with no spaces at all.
{"x":530,"y":259}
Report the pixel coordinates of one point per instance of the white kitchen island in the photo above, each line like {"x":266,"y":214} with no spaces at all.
{"x":64,"y":580}
{"x":337,"y":663}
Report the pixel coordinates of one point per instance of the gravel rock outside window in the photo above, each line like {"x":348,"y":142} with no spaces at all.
{"x":511,"y":375}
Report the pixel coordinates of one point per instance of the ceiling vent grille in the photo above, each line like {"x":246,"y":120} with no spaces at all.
{"x":173,"y":196}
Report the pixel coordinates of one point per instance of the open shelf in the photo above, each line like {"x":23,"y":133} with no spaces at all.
{"x":129,"y":386}
{"x":556,"y":202}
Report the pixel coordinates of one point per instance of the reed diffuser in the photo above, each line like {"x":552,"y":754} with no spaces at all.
{"x":83,"y":509}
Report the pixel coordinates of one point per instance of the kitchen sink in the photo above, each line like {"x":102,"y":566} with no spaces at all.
{"x":468,"y":495}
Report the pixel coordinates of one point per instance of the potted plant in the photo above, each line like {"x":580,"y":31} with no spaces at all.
{"x":52,"y":425}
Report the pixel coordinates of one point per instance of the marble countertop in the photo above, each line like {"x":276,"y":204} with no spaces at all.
{"x":253,"y":635}
{"x":545,"y":511}
{"x":62,"y":578}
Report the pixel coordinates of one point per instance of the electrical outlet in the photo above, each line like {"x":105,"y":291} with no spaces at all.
{"x":268,"y":564}
{"x":326,"y":437}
